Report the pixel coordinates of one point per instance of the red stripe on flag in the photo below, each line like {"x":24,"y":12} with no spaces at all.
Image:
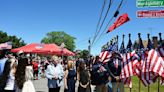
{"x":104,"y":56}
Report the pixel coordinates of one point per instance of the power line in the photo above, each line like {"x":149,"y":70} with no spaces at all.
{"x":102,"y":10}
{"x":114,"y":16}
{"x":103,"y":6}
{"x":102,"y":33}
{"x":110,"y":3}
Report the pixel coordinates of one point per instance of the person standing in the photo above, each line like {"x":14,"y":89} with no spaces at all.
{"x":100,"y":75}
{"x":54,"y":74}
{"x":77,"y":63}
{"x":28,"y":85}
{"x":3,"y":60}
{"x":10,"y":84}
{"x":8,"y":77}
{"x":35,"y":68}
{"x":115,"y":70}
{"x":70,"y":77}
{"x":83,"y":75}
{"x":24,"y":75}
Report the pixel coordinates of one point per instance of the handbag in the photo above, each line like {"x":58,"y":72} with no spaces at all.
{"x":60,"y":82}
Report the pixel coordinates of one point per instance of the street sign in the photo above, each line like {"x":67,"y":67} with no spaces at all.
{"x":150,"y":3}
{"x":150,"y":14}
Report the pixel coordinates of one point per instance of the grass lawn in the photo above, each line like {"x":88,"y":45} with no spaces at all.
{"x":135,"y":87}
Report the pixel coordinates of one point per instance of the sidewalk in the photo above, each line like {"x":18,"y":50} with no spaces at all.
{"x":41,"y":85}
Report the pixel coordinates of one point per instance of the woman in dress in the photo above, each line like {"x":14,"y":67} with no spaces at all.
{"x":24,"y":75}
{"x":83,"y":76}
{"x":70,"y":77}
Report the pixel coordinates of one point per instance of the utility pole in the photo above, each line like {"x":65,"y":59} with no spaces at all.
{"x":89,"y":49}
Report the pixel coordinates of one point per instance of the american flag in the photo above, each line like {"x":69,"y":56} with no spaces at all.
{"x":127,"y":68}
{"x":161,"y":51}
{"x":152,"y":67}
{"x":150,"y":76}
{"x":122,"y":48}
{"x":139,"y":68}
{"x":161,"y":54}
{"x":155,"y":63}
{"x":127,"y":64}
{"x":113,"y":47}
{"x":149,"y":67}
{"x":104,"y":56}
{"x":6,"y":45}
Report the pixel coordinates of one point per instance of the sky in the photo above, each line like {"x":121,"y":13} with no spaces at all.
{"x":32,"y":19}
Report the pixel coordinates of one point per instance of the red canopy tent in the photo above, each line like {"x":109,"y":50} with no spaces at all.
{"x":44,"y":49}
{"x":48,"y":49}
{"x":28,"y":48}
{"x":68,"y":52}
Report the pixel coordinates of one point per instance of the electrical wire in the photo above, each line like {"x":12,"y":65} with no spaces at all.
{"x":109,"y":5}
{"x":103,"y":6}
{"x":114,"y":16}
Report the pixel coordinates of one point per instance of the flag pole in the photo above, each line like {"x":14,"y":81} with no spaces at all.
{"x":139,"y":35}
{"x":160,"y":39}
{"x":161,"y":44}
{"x":117,"y":42}
{"x":139,"y":85}
{"x":130,"y":42}
{"x":123,"y":36}
{"x":130,"y":51}
{"x":148,"y":35}
{"x":158,"y":84}
{"x":155,"y":41}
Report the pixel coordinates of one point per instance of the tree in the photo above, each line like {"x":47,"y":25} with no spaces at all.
{"x":83,"y":54}
{"x":59,"y":37}
{"x":16,"y":42}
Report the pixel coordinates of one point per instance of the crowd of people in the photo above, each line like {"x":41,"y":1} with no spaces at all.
{"x":17,"y":71}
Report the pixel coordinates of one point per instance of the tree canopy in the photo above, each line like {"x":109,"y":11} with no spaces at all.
{"x":16,"y":42}
{"x":59,"y":37}
{"x":83,"y":54}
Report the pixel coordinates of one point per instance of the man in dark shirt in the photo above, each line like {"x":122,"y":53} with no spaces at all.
{"x":114,"y":66}
{"x":99,"y":75}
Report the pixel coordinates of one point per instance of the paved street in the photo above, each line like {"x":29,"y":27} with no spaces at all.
{"x":41,"y":86}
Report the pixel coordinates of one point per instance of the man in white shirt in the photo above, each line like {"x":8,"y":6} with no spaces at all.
{"x":54,"y":74}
